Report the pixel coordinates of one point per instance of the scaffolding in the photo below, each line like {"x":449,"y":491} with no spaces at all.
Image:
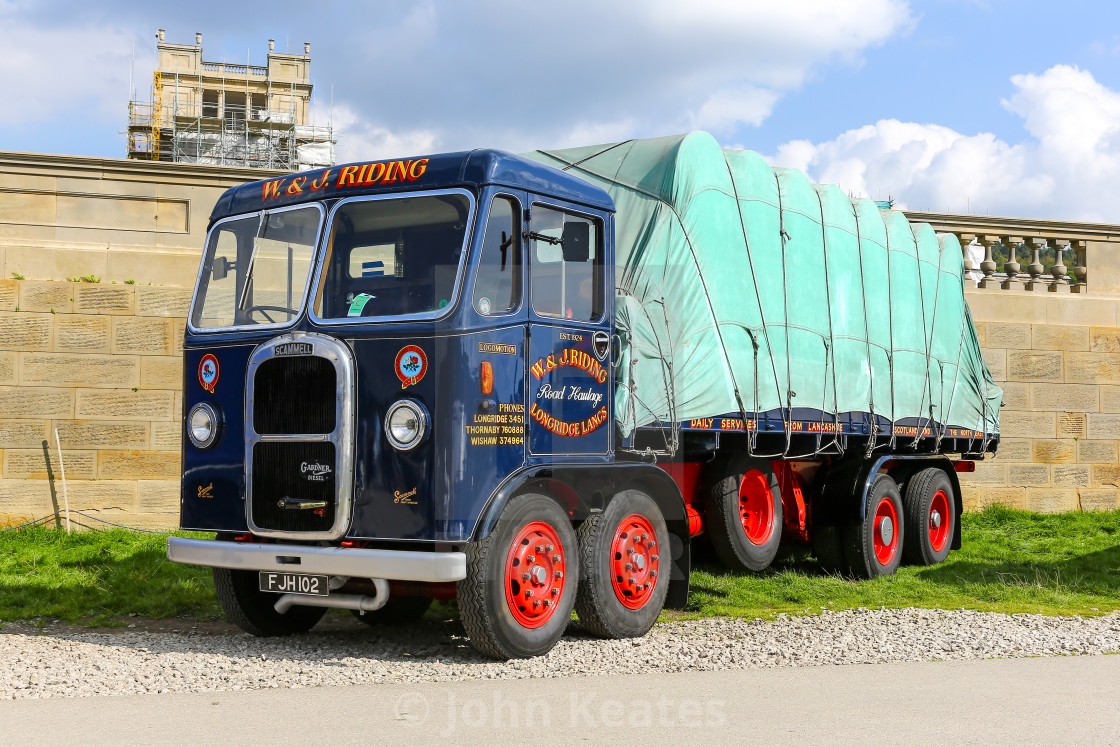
{"x":228,"y":114}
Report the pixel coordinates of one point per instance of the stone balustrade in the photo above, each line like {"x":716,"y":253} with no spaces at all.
{"x":1077,"y":248}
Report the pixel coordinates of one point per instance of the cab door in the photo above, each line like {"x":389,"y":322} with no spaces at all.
{"x":569,"y":377}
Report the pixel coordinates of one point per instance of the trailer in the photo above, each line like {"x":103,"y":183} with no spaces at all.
{"x":528,"y":382}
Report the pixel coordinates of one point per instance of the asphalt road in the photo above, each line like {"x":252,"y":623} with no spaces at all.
{"x":1061,"y":700}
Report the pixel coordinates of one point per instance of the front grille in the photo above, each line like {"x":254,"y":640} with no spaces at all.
{"x":290,"y":472}
{"x":295,"y":395}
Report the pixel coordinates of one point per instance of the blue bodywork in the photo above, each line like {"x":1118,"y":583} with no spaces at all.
{"x":454,"y":482}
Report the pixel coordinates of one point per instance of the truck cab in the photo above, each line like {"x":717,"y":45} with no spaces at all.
{"x":398,"y":387}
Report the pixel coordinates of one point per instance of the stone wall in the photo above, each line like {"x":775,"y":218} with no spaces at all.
{"x":101,"y":365}
{"x":98,"y":361}
{"x":1057,"y":358}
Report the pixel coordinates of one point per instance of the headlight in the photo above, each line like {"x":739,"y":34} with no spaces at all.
{"x":405,"y":424}
{"x":203,"y":424}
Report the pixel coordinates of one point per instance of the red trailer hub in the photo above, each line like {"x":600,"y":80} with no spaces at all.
{"x":756,"y":506}
{"x":886,"y":531}
{"x":939,"y":520}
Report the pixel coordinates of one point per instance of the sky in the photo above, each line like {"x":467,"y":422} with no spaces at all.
{"x":994,"y":107}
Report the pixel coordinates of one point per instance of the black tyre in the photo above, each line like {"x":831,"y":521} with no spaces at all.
{"x":930,"y":517}
{"x":828,"y":546}
{"x":873,"y":547}
{"x":521,"y":580}
{"x":252,"y":610}
{"x":397,"y":611}
{"x":624,"y":567}
{"x":744,"y":514}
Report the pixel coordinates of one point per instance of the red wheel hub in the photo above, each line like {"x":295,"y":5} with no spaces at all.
{"x":885,"y":531}
{"x":635,"y":561}
{"x":756,"y":507}
{"x":535,"y":574}
{"x":939,"y":520}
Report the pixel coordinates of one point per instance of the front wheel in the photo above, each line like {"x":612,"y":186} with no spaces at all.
{"x":252,"y":610}
{"x":873,"y":547}
{"x":930,"y":517}
{"x":521,"y":580}
{"x":624,"y":567}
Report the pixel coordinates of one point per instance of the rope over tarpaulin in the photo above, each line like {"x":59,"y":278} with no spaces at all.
{"x":777,"y":295}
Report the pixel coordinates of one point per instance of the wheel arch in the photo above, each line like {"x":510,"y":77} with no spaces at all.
{"x":584,"y":489}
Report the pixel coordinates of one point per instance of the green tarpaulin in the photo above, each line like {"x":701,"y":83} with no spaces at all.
{"x":744,"y":288}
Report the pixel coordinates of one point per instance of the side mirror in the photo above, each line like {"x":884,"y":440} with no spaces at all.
{"x":576,"y":241}
{"x":221,"y":268}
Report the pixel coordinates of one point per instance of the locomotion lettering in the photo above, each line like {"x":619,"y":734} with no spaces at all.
{"x":506,"y":427}
{"x":358,"y":175}
{"x":497,"y":347}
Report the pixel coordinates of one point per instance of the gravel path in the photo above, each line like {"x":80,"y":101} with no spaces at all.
{"x":65,"y":661}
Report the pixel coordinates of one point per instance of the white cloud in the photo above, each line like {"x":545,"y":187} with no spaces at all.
{"x":53,"y":71}
{"x":535,"y":75}
{"x":1066,"y":168}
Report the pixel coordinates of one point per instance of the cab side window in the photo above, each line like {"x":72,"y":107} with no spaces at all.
{"x":497,"y":286}
{"x":566,"y":264}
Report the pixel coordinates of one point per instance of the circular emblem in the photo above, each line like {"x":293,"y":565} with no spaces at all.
{"x":411,"y":365}
{"x":208,"y":372}
{"x":484,"y":306}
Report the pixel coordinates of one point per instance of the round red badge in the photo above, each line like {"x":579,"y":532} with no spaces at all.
{"x":208,"y":372}
{"x":411,"y":365}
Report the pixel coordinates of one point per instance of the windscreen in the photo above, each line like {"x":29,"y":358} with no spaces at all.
{"x":255,"y":269}
{"x":393,"y":257}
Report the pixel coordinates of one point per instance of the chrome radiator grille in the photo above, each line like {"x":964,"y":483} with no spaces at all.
{"x":299,"y":440}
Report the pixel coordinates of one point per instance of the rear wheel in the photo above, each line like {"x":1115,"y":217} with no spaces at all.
{"x":873,"y":547}
{"x":397,"y":611}
{"x":521,"y":580}
{"x":930,"y":511}
{"x":744,"y":511}
{"x":252,"y":610}
{"x":624,"y":571}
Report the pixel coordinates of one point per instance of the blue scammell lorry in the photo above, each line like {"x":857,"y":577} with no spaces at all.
{"x":528,"y":382}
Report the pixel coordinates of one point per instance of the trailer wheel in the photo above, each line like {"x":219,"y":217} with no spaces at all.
{"x":252,"y":610}
{"x":397,"y":611}
{"x":930,"y":517}
{"x":521,"y":580}
{"x":873,"y":547}
{"x":744,"y":511}
{"x":624,"y":568}
{"x":828,"y":546}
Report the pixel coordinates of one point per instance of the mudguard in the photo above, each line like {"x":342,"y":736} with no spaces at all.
{"x":585,"y":489}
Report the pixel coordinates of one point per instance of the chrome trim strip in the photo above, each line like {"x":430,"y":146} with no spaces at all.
{"x":342,"y":437}
{"x":315,"y":252}
{"x":398,"y":565}
{"x":456,"y":291}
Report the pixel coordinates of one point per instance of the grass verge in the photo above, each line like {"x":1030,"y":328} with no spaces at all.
{"x":1011,"y":561}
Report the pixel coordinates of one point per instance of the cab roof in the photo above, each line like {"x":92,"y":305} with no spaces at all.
{"x":472,"y":169}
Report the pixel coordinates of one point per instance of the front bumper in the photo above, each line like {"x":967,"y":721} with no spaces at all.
{"x":396,"y":565}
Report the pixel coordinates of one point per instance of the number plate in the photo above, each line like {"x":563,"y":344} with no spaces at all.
{"x":294,"y":583}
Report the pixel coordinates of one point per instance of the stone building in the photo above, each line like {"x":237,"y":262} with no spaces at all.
{"x":98,"y":256}
{"x":222,"y":113}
